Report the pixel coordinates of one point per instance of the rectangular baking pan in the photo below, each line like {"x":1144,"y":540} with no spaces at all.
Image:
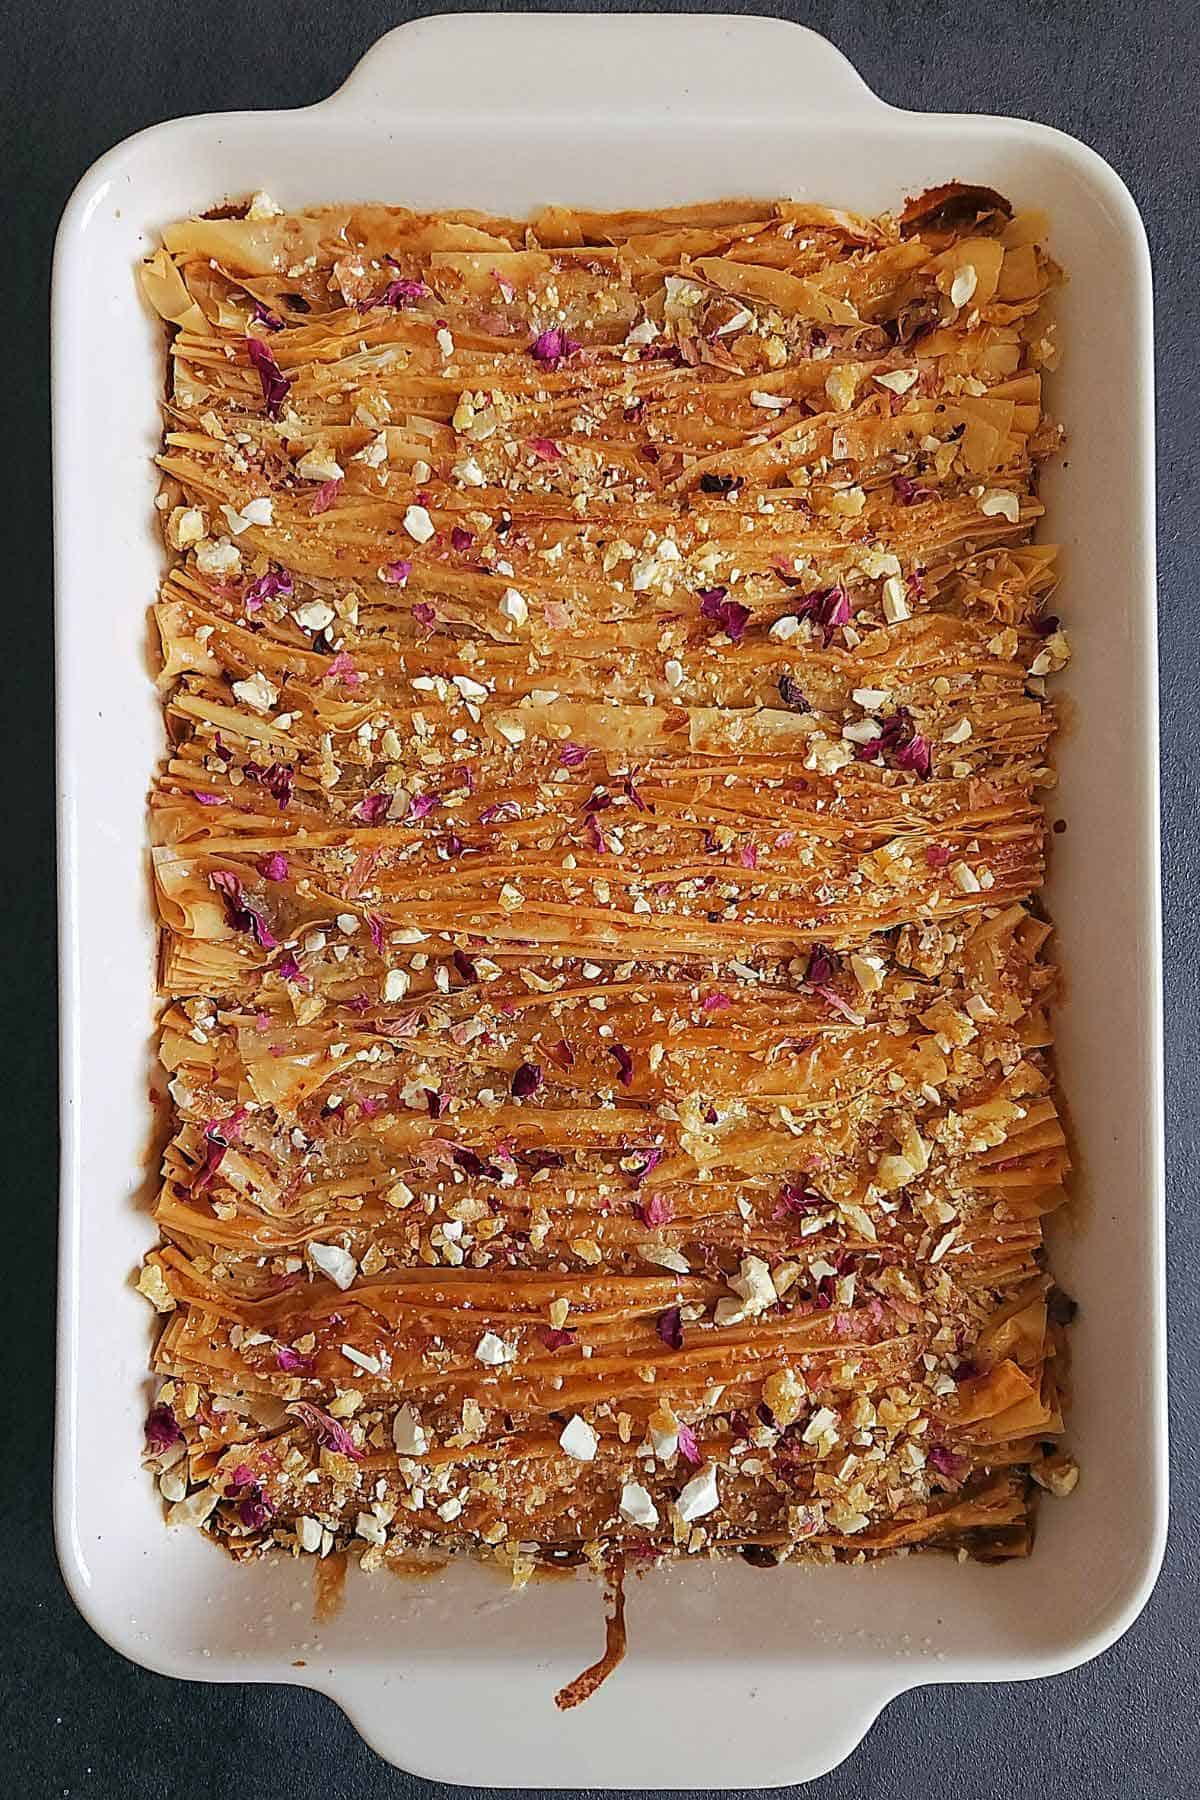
{"x":453,"y":1676}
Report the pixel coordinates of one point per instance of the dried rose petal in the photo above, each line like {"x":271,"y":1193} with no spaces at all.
{"x":546,"y":449}
{"x":275,"y":385}
{"x":328,"y":1432}
{"x":241,"y":915}
{"x":324,"y":497}
{"x":653,"y":1158}
{"x":792,"y":694}
{"x":403,"y":293}
{"x":527,"y":1080}
{"x":938,"y":855}
{"x":669,"y":1326}
{"x":832,"y":611}
{"x":499,"y":811}
{"x":916,"y":754}
{"x":162,"y":1429}
{"x":823,"y":1296}
{"x":748,"y":856}
{"x":436,"y":1153}
{"x":274,"y":867}
{"x":903,"y":745}
{"x":837,"y":1004}
{"x":214,"y":1152}
{"x":730,"y":616}
{"x":632,"y":794}
{"x":424,"y":614}
{"x":375,"y":930}
{"x":795,"y":1199}
{"x":471,"y":1161}
{"x":275,"y":584}
{"x":828,"y":608}
{"x":423,"y":804}
{"x":822,"y":966}
{"x":280,"y":781}
{"x":254,"y":1508}
{"x":688,"y":1447}
{"x":460,"y":539}
{"x":555,"y":1339}
{"x":291,"y":1362}
{"x":716,"y":1001}
{"x":543,"y":1159}
{"x":396,"y":573}
{"x":656,"y":1210}
{"x":624,"y":1063}
{"x":262,"y":315}
{"x":341,"y":668}
{"x":572,"y":755}
{"x":207,"y":799}
{"x":907,"y":492}
{"x":372,"y":809}
{"x":229,"y":1129}
{"x":786,"y":571}
{"x":552,"y":347}
{"x":464,"y":965}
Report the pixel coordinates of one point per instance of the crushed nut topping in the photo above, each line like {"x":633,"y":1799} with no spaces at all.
{"x":606,"y":1018}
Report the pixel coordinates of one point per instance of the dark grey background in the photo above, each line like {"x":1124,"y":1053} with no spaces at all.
{"x":75,"y":1719}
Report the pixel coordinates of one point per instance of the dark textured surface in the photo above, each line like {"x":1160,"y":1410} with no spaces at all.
{"x":76,"y":1720}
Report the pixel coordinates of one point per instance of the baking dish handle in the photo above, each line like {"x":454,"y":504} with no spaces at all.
{"x":515,"y":1737}
{"x":494,"y":65}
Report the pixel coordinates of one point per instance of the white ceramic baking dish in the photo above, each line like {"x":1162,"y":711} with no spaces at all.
{"x":736,"y":1677}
